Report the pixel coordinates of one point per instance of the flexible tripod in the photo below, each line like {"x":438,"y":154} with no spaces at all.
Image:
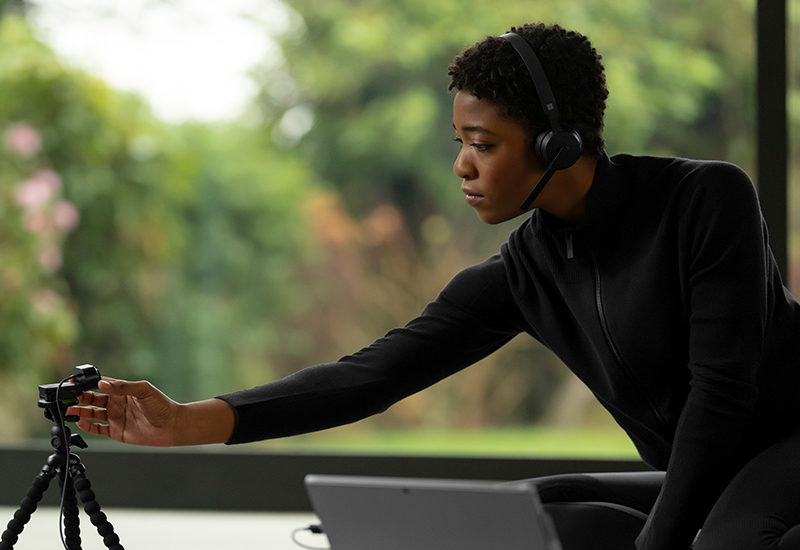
{"x":70,"y":471}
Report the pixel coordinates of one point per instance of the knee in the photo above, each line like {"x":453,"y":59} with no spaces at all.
{"x":790,"y":539}
{"x":595,"y":525}
{"x":761,"y":534}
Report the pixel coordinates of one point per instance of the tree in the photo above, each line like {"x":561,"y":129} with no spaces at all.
{"x":372,"y":77}
{"x":211,"y":257}
{"x":146,"y":249}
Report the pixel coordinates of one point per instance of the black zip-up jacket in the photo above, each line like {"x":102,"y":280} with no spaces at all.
{"x":666,"y":301}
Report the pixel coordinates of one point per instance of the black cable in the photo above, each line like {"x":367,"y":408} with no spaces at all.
{"x":63,"y":425}
{"x":316,"y":529}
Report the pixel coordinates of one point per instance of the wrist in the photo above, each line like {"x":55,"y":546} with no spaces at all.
{"x":203,"y":422}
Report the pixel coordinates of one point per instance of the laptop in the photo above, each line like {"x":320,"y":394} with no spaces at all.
{"x":390,"y":513}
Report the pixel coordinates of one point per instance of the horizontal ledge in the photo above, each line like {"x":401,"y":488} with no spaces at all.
{"x":223,"y":479}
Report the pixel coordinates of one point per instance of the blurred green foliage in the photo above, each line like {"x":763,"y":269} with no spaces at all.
{"x":375,"y":76}
{"x":208,"y":257}
{"x":179,"y":266}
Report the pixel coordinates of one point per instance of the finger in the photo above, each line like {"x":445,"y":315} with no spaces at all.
{"x":94,"y":428}
{"x":93,"y":398}
{"x":95,"y":413}
{"x":104,"y":382}
{"x":139,"y":389}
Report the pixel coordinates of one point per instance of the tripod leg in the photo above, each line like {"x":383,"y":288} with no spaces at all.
{"x":92,"y":509}
{"x":27,"y":507}
{"x":72,"y":526}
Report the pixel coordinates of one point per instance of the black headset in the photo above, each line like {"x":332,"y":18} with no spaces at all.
{"x":559,"y":147}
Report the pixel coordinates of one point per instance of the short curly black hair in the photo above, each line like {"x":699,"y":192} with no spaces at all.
{"x":493,"y":70}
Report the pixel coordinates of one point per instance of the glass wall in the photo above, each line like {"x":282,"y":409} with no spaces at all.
{"x":315,"y":209}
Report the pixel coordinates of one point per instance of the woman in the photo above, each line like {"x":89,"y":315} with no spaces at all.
{"x":651,"y":278}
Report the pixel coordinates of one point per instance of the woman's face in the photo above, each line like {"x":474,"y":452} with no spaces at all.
{"x":496,"y":163}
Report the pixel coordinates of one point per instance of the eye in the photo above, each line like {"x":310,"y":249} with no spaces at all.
{"x":482,"y":147}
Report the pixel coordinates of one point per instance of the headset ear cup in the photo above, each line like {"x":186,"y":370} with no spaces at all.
{"x":540,"y":146}
{"x":549,"y":143}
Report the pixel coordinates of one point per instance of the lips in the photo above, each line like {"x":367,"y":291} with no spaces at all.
{"x":474,"y":200}
{"x":472,"y":197}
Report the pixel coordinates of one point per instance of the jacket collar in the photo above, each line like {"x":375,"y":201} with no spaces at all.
{"x":604,"y":202}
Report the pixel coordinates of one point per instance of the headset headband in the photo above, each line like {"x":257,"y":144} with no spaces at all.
{"x":560,"y":147}
{"x":540,"y":81}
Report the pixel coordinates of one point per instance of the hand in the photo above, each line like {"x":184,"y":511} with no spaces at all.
{"x":130,"y":412}
{"x":139,"y":414}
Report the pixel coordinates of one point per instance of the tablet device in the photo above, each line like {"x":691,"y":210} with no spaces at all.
{"x":389,"y":513}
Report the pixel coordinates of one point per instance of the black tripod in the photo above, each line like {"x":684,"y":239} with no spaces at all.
{"x":55,"y":399}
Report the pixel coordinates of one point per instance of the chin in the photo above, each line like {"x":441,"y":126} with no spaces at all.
{"x":493,"y":218}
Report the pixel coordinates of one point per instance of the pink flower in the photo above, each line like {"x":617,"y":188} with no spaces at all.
{"x":37,"y":190}
{"x":23,"y":139}
{"x":65,"y":216}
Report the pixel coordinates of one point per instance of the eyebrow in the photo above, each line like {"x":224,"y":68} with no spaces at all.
{"x":474,"y":129}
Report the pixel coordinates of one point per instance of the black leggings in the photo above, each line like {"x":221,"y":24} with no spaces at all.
{"x":759,"y":509}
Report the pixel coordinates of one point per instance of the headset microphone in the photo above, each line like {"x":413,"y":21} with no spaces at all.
{"x":559,"y":147}
{"x":551,"y":169}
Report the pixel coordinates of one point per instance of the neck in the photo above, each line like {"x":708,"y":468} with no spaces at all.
{"x":564,"y":197}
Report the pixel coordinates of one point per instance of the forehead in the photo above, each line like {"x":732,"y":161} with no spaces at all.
{"x":471,"y":113}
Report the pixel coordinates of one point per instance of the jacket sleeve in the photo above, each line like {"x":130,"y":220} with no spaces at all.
{"x":726,"y":255}
{"x":472,"y":317}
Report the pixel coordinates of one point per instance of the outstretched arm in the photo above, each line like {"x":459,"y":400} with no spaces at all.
{"x":138,"y":413}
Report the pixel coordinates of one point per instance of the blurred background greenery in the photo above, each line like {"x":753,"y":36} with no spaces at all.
{"x":210,"y":256}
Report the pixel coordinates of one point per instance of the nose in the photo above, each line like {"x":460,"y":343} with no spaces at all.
{"x":463,"y":168}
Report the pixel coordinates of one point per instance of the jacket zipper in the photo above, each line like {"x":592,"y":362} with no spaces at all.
{"x":570,"y":247}
{"x":607,"y":333}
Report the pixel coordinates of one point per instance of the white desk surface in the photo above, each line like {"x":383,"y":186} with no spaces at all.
{"x":170,"y":529}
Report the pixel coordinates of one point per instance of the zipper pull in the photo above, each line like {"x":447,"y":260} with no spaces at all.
{"x":570,"y":248}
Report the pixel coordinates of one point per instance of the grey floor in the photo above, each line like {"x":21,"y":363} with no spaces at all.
{"x":156,"y":530}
